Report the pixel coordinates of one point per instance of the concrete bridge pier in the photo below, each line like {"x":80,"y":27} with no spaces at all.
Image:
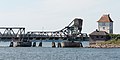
{"x":81,"y":44}
{"x":11,"y":44}
{"x":40,"y":44}
{"x":53,"y":45}
{"x":71,"y":44}
{"x":59,"y":44}
{"x":34,"y":44}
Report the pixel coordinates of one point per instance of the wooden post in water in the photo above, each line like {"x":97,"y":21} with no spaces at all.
{"x":59,"y":44}
{"x":11,"y":44}
{"x":40,"y":44}
{"x":81,"y":44}
{"x":53,"y":44}
{"x":34,"y":44}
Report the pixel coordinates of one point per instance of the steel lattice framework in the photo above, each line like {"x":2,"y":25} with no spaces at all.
{"x":72,"y":32}
{"x":12,"y":33}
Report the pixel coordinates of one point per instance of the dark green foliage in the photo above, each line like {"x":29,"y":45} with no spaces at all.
{"x":114,"y":36}
{"x":117,"y":42}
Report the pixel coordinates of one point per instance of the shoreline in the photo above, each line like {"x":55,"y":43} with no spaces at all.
{"x":61,"y":47}
{"x":105,"y":46}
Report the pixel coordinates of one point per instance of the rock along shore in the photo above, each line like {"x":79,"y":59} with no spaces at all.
{"x":104,"y":46}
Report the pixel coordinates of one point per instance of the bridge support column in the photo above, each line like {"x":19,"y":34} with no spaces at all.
{"x":40,"y":44}
{"x":81,"y":44}
{"x":34,"y":44}
{"x":59,"y":44}
{"x":53,"y":44}
{"x":11,"y":44}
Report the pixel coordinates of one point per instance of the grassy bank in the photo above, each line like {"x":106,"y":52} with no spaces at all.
{"x":115,"y":42}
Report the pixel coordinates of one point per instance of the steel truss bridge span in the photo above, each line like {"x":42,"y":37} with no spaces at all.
{"x":72,"y":32}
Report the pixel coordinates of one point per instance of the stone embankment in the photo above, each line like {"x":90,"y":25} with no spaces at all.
{"x":105,"y":46}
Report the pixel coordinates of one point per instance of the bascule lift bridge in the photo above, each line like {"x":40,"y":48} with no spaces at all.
{"x":70,"y":33}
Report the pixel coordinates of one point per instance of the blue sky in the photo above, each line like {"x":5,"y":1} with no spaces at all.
{"x":37,"y":15}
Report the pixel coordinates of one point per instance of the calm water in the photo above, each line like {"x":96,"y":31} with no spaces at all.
{"x":44,"y":53}
{"x":48,"y":53}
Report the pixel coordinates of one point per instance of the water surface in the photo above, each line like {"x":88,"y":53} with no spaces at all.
{"x":47,"y":53}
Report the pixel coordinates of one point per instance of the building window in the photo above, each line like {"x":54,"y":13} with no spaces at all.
{"x":97,"y":36}
{"x":111,"y":31}
{"x":110,"y":24}
{"x":104,"y":28}
{"x":100,"y":24}
{"x":101,"y":36}
{"x":103,"y":24}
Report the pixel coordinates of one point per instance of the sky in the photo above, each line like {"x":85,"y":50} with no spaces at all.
{"x":48,"y":15}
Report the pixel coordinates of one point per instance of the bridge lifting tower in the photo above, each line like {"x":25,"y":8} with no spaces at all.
{"x":73,"y":29}
{"x":72,"y":32}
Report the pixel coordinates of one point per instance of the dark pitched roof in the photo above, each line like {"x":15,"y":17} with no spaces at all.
{"x":105,"y":18}
{"x":99,"y":33}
